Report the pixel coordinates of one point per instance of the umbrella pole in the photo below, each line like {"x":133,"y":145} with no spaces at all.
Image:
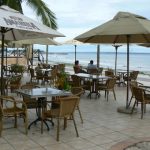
{"x":98,"y":52}
{"x":32,"y":55}
{"x":75,"y":46}
{"x":126,"y":109}
{"x":6,"y":61}
{"x":116,"y":60}
{"x":2,"y":62}
{"x":128,"y":41}
{"x":46,"y":54}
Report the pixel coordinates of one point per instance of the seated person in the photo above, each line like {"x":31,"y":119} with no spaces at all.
{"x":91,"y":68}
{"x":38,"y":70}
{"x":78,"y":68}
{"x":91,"y":65}
{"x":38,"y":67}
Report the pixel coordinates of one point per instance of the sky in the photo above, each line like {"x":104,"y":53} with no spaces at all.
{"x":75,"y":17}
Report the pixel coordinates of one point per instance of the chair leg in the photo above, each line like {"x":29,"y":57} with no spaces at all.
{"x":1,"y":127}
{"x":78,"y":108}
{"x":26,"y":123}
{"x":15,"y":124}
{"x":75,"y":126}
{"x":130,"y":100}
{"x":42,"y":118}
{"x":142,"y":110}
{"x":58,"y":124}
{"x":65,"y":123}
{"x":133,"y":107}
{"x":114,"y":94}
{"x":107,"y":95}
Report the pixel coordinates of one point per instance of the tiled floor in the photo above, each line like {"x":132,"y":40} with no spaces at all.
{"x":103,"y":127}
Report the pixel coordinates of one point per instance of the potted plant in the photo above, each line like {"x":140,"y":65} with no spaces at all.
{"x":62,"y":81}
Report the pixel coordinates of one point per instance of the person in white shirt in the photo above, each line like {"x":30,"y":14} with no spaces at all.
{"x":91,"y":65}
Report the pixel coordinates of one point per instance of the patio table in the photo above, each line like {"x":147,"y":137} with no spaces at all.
{"x":45,"y":71}
{"x":94,"y":79}
{"x":121,"y":74}
{"x":40,"y":94}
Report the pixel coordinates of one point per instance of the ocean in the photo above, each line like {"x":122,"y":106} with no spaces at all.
{"x":138,"y":61}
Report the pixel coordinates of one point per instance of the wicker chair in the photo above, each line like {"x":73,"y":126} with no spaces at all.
{"x":133,"y":84}
{"x":52,"y":77}
{"x":110,"y":73}
{"x":93,"y":71}
{"x":132,"y":77}
{"x":78,"y":91}
{"x":4,"y":85}
{"x":14,"y":83}
{"x":142,"y":98}
{"x":15,"y":109}
{"x":76,"y":81}
{"x":39,"y":75}
{"x":100,"y":70}
{"x":65,"y":111}
{"x":61,"y":67}
{"x":32,"y":74}
{"x":31,"y":103}
{"x":108,"y":86}
{"x":1,"y":120}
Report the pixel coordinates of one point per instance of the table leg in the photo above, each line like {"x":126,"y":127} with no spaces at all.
{"x":41,"y":105}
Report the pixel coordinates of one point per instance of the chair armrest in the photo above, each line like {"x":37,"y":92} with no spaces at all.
{"x":140,"y":84}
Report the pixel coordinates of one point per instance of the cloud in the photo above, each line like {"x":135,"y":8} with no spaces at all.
{"x":77,"y":16}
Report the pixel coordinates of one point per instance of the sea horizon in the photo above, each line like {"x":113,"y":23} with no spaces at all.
{"x":138,"y":61}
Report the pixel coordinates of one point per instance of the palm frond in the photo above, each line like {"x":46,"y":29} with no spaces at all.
{"x":47,"y":16}
{"x":15,"y":4}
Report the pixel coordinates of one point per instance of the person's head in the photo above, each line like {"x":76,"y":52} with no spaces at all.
{"x":76,"y":62}
{"x":91,"y":62}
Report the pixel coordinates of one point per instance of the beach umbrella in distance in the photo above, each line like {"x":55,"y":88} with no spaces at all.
{"x":125,"y":27}
{"x":73,"y":42}
{"x":116,"y":51}
{"x":16,"y":26}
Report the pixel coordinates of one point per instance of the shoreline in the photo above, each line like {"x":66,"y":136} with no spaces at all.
{"x":143,"y":76}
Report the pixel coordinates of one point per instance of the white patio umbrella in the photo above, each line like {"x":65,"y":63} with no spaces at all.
{"x":75,"y":43}
{"x":125,"y":27}
{"x":16,"y":26}
{"x":41,"y":41}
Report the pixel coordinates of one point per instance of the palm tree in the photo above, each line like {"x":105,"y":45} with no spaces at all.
{"x":47,"y":16}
